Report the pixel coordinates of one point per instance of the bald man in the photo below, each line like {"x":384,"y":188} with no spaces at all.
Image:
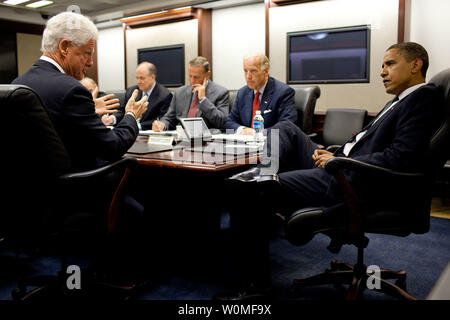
{"x":159,"y":97}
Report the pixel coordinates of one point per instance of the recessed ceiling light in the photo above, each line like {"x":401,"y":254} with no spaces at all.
{"x":15,"y":2}
{"x":39,"y":4}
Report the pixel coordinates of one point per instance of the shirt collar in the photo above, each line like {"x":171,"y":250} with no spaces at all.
{"x":410,"y":90}
{"x":261,"y":90}
{"x":53,"y":62}
{"x":151,"y":89}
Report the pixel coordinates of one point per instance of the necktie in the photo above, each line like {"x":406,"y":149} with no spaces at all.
{"x":385,"y":109}
{"x":255,"y":106}
{"x":194,"y":107}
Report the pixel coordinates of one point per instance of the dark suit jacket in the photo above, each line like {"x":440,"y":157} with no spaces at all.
{"x":72,"y":110}
{"x":158,"y":103}
{"x":399,"y":138}
{"x":277,"y":104}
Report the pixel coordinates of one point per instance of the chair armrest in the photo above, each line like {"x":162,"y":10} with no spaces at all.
{"x":333,"y":165}
{"x":333,"y":147}
{"x":126,"y":162}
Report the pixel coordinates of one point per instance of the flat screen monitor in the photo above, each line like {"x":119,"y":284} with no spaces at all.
{"x":169,"y":62}
{"x":339,"y":55}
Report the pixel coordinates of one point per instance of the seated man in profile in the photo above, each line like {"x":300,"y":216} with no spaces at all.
{"x":158,"y":96}
{"x":200,"y":98}
{"x":67,"y":53}
{"x":105,"y":104}
{"x":273,"y":98}
{"x":294,"y":177}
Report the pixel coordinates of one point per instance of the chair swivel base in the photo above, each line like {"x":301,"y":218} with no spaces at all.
{"x":356,"y":277}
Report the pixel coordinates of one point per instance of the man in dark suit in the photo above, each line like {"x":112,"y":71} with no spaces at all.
{"x":67,"y":53}
{"x":159,"y":97}
{"x":200,"y":98}
{"x":273,"y":98}
{"x":294,"y":177}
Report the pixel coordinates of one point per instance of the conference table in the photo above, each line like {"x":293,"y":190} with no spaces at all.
{"x":186,"y":159}
{"x":185,"y":195}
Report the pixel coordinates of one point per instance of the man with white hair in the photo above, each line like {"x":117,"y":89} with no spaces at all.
{"x":273,"y":98}
{"x":68,"y":45}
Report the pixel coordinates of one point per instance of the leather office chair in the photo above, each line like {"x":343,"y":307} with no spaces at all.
{"x":232,"y":99}
{"x":305,"y":102}
{"x":408,"y":212}
{"x":45,"y":201}
{"x":119,"y":94}
{"x":340,"y":125}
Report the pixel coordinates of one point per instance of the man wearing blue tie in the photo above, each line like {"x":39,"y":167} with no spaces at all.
{"x":293,"y":176}
{"x":273,"y":98}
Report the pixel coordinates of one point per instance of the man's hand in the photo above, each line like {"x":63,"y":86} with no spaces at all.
{"x":321,"y":156}
{"x":247,"y":131}
{"x":158,"y":126}
{"x":200,"y":89}
{"x":106,"y":104}
{"x":137,"y":108}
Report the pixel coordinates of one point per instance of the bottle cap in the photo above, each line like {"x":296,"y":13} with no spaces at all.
{"x":258,"y":111}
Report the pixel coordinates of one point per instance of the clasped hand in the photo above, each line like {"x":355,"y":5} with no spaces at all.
{"x":321,"y":156}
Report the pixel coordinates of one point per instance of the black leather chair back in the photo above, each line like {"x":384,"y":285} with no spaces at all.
{"x":341,"y":124}
{"x":439,"y":150}
{"x":232,"y":99}
{"x":119,"y":94}
{"x":305,"y":102}
{"x":34,"y":157}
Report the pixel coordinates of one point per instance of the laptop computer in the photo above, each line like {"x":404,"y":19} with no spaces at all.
{"x":196,"y":130}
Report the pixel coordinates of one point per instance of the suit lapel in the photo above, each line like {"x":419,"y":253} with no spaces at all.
{"x":187,"y":100}
{"x":248,"y":113}
{"x":267,"y":96}
{"x":385,"y":116}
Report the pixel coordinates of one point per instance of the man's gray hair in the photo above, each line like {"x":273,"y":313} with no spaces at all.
{"x":72,"y":26}
{"x":200,"y":62}
{"x":265,"y":63}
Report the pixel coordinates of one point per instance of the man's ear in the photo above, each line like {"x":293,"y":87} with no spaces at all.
{"x":417,"y":65}
{"x":208,"y":75}
{"x":63,"y":47}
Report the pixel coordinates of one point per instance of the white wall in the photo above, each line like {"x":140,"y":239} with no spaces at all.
{"x":28,"y":50}
{"x":429,"y":26}
{"x":236,"y":32}
{"x":161,"y":35}
{"x":110,"y":59}
{"x":382,"y":15}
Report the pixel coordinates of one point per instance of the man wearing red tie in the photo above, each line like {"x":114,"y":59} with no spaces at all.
{"x":273,"y":98}
{"x":200,"y":98}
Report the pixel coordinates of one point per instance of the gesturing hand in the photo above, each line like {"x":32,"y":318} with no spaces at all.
{"x":106,"y":104}
{"x":137,"y":108}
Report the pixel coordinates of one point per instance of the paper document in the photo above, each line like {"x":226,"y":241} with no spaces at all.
{"x":160,"y":133}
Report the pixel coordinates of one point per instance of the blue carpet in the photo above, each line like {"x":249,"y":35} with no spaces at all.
{"x":424,"y":257}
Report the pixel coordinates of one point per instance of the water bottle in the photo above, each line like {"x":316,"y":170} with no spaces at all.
{"x":258,"y":126}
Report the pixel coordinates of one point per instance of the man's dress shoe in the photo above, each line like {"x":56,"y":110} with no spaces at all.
{"x":266,"y":182}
